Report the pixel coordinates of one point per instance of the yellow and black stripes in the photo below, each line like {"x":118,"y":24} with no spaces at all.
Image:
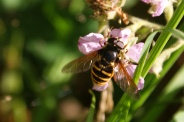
{"x":101,"y":75}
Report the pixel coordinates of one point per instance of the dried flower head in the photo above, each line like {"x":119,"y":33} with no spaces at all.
{"x":107,"y":9}
{"x":101,"y":7}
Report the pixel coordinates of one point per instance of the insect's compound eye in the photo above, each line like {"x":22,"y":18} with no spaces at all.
{"x":105,"y":43}
{"x":120,"y":44}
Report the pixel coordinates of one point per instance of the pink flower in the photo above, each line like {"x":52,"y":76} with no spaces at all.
{"x":123,"y":34}
{"x":90,"y":43}
{"x":158,"y":6}
{"x":100,"y":88}
{"x":131,"y":69}
{"x":94,"y":41}
{"x":133,"y":54}
{"x":135,"y":51}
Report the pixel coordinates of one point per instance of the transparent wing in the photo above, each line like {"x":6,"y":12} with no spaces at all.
{"x":81,"y":64}
{"x":125,"y":82}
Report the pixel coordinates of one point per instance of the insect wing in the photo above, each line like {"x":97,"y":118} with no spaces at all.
{"x":81,"y":64}
{"x":124,"y":81}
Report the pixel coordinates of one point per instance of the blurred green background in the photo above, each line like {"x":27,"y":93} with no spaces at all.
{"x":37,"y":38}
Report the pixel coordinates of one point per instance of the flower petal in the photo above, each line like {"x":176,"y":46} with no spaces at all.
{"x":140,"y":83}
{"x":147,"y":1}
{"x":90,"y":43}
{"x":123,"y":34}
{"x":100,"y":88}
{"x":131,"y":70}
{"x":157,"y":7}
{"x":134,"y":52}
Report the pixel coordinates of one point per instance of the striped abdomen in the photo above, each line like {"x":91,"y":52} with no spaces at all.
{"x":101,"y":76}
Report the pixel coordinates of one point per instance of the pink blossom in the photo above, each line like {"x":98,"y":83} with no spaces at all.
{"x":135,"y":51}
{"x":100,"y":88}
{"x":147,"y":1}
{"x":123,"y":34}
{"x":158,"y":6}
{"x":140,"y":83}
{"x":94,"y":41}
{"x":90,"y":43}
{"x":131,"y":69}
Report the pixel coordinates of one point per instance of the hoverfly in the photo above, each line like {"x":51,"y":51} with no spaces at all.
{"x":105,"y":63}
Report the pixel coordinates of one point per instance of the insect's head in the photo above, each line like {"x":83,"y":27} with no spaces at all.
{"x":115,"y":42}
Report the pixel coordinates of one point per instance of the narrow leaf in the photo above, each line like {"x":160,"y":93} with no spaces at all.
{"x":143,"y":58}
{"x":163,"y":38}
{"x":90,"y":116}
{"x":176,"y":33}
{"x":166,"y":96}
{"x":121,"y":111}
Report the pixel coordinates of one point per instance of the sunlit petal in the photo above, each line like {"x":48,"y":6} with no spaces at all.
{"x":134,"y":52}
{"x":100,"y":88}
{"x":90,"y":43}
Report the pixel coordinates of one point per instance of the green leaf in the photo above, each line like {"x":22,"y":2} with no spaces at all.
{"x":155,"y":52}
{"x":176,"y":33}
{"x":153,"y":81}
{"x":165,"y":97}
{"x":143,"y":56}
{"x":92,"y":108}
{"x":163,"y":38}
{"x":122,"y":109}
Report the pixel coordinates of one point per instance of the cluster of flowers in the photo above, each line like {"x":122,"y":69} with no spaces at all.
{"x":95,"y":41}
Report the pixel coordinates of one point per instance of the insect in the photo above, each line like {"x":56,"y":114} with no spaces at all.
{"x":105,"y":63}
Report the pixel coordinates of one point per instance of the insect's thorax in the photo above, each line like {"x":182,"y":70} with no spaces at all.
{"x":109,"y":55}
